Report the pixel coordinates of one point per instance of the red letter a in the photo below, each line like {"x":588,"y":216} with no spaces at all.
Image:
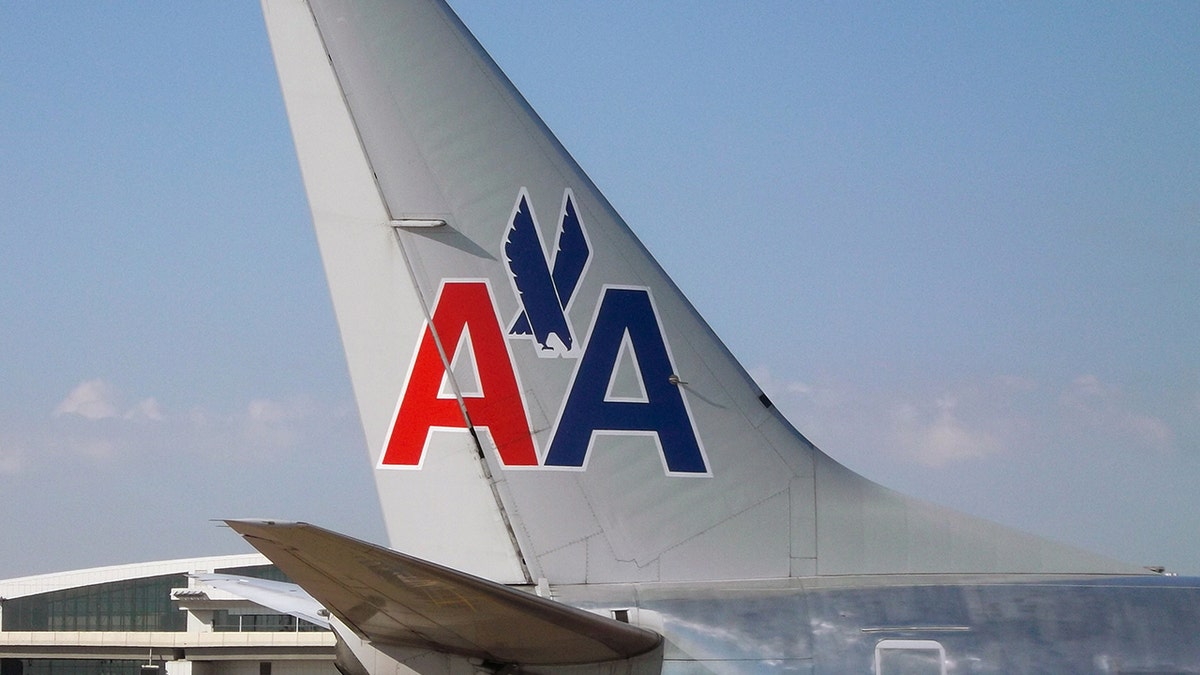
{"x":498,"y":406}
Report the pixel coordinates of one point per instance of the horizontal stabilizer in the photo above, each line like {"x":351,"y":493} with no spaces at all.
{"x":394,"y":599}
{"x":277,"y":595}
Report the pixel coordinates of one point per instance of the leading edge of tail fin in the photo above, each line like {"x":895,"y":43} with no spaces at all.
{"x":539,"y":399}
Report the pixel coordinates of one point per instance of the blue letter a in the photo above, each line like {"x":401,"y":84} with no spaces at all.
{"x":626,"y":317}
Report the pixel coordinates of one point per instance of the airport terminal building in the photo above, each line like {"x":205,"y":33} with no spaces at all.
{"x":154,"y":618}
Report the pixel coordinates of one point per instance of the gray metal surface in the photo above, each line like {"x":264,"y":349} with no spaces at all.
{"x":982,"y":623}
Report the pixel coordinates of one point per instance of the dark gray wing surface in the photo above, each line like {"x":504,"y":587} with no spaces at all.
{"x":394,"y":599}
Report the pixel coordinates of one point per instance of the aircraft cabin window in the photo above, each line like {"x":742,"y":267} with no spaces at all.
{"x":910,"y":657}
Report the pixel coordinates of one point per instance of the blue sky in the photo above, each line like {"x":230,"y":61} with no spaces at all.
{"x":958,"y":244}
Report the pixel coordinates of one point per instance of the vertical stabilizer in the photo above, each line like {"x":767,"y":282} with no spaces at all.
{"x":539,"y":399}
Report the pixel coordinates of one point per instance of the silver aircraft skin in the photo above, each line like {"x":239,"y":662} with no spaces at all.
{"x":576,"y":475}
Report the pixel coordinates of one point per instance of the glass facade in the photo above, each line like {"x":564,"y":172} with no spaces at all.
{"x":134,"y":605}
{"x":72,"y":667}
{"x":229,"y":622}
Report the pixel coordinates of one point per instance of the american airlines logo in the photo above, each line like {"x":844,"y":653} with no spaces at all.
{"x":545,"y":287}
{"x":625,"y":335}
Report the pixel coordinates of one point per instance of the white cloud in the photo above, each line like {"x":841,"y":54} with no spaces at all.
{"x":857,"y":424}
{"x":146,"y":409}
{"x":1085,"y":390}
{"x":937,"y":437}
{"x":92,"y":400}
{"x":96,"y":400}
{"x":272,"y":425}
{"x":772,"y":386}
{"x":1150,"y":429}
{"x":1096,"y":407}
{"x":266,"y":411}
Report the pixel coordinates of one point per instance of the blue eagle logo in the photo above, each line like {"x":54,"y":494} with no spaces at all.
{"x":545,"y":285}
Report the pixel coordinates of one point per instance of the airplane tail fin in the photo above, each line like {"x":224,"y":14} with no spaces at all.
{"x":539,"y":399}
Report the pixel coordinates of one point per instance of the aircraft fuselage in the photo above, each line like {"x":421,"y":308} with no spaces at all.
{"x":933,"y":624}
